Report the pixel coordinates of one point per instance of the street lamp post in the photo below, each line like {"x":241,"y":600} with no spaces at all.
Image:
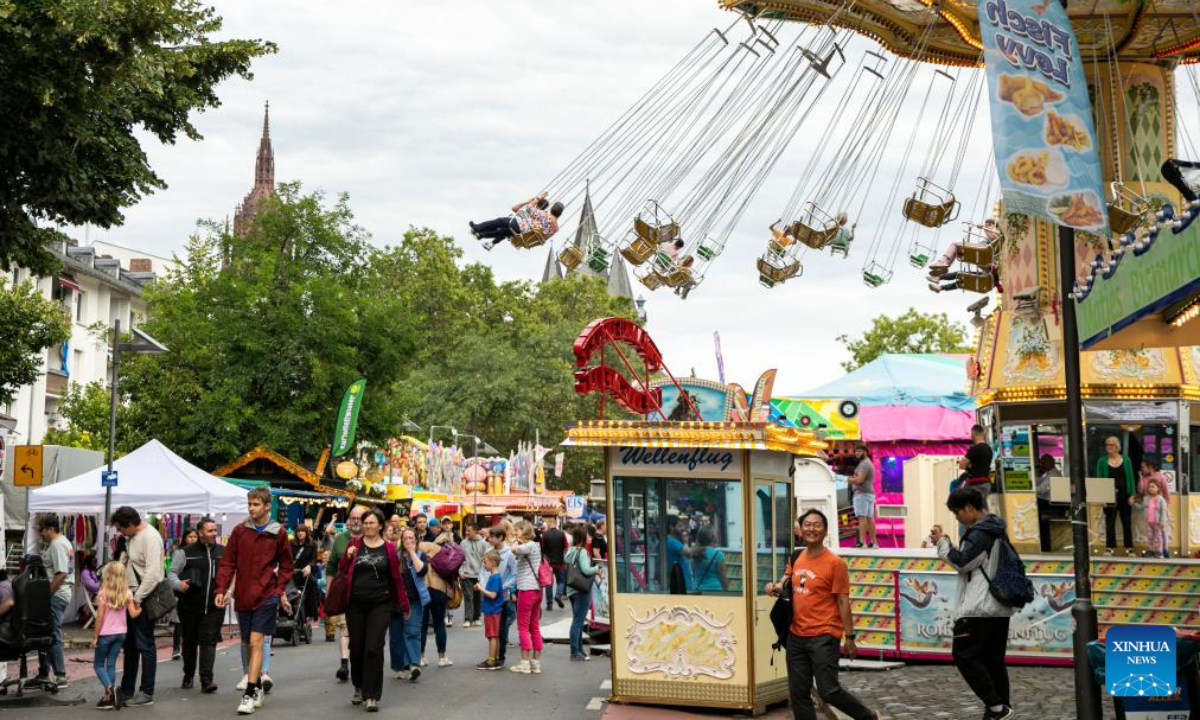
{"x":143,"y":345}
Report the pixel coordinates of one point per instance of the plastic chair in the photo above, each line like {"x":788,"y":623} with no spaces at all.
{"x":931,"y":205}
{"x":570,"y":256}
{"x":875,"y":275}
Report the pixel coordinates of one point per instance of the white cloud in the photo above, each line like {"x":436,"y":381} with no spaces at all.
{"x":431,"y":114}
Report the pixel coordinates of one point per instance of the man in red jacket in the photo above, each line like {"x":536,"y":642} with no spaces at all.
{"x":258,"y":561}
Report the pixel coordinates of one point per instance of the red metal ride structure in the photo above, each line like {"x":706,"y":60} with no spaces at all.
{"x":603,"y":333}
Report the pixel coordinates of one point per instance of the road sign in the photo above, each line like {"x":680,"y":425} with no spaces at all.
{"x":27,"y":472}
{"x":574,"y":505}
{"x":108,"y":478}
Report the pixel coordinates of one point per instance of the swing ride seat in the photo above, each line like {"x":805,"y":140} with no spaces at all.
{"x":812,"y":237}
{"x":638,"y":250}
{"x":598,"y":259}
{"x":976,"y":282}
{"x":876,"y":275}
{"x":678,"y":278}
{"x":1121,"y":221}
{"x":920,"y":256}
{"x":571,"y":257}
{"x":981,"y":255}
{"x":651,"y":279}
{"x":529,"y":239}
{"x":776,"y":274}
{"x":656,"y":234}
{"x":931,"y":205}
{"x":709,"y":249}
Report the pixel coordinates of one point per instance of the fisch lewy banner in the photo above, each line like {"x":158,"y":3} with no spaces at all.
{"x":1042,"y":128}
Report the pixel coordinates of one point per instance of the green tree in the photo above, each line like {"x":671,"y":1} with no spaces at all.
{"x":262,"y":350}
{"x":912,"y":332}
{"x":78,"y":80}
{"x":86,"y":410}
{"x":29,"y":323}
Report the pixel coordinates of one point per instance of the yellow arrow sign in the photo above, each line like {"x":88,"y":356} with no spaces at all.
{"x":27,"y":472}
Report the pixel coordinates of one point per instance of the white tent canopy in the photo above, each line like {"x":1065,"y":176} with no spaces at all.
{"x":151,"y":479}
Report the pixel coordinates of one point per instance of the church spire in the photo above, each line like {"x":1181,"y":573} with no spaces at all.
{"x":264,"y":165}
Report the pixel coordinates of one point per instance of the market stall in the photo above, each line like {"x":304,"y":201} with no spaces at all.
{"x":701,"y":517}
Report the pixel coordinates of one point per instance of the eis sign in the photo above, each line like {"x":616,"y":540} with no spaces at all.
{"x":1139,"y":661}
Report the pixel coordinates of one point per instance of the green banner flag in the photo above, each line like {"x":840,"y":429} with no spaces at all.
{"x":347,"y":418}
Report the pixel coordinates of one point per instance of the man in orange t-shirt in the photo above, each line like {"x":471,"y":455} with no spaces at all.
{"x":821,"y":616}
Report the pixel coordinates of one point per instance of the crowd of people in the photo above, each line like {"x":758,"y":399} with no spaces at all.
{"x":387,"y":579}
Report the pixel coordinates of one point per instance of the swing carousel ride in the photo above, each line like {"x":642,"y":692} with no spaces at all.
{"x":666,"y":184}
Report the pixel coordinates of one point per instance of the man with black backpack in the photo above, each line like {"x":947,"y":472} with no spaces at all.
{"x":992,"y":585}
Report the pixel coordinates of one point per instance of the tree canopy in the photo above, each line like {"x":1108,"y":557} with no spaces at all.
{"x":912,"y":332}
{"x":262,"y":349}
{"x":29,"y":324}
{"x":78,"y":79}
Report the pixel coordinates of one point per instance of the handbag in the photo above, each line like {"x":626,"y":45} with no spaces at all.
{"x":456,"y":597}
{"x":337,"y":595}
{"x":545,"y":576}
{"x":781,"y":611}
{"x":161,"y":600}
{"x":576,"y":580}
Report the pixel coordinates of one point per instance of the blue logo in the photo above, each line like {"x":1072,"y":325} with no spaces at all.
{"x":1139,"y":661}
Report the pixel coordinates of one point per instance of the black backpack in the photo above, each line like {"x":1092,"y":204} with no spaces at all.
{"x":30,"y":619}
{"x":1009,"y":585}
{"x":781,"y":611}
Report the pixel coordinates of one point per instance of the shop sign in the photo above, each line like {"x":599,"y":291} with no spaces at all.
{"x":1042,"y":628}
{"x":574,"y":505}
{"x":698,"y":462}
{"x":1141,"y":411}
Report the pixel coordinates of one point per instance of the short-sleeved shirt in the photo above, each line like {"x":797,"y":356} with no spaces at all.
{"x":979,"y":459}
{"x":494,"y":583}
{"x":816,"y":583}
{"x":114,"y":618}
{"x":867,"y":469}
{"x":60,"y":558}
{"x":529,"y":217}
{"x":372,"y":575}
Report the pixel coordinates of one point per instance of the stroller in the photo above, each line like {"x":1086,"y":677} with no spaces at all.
{"x":293,"y":627}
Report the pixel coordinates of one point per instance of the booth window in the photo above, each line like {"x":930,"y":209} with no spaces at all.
{"x":678,"y":536}
{"x":773,"y":530}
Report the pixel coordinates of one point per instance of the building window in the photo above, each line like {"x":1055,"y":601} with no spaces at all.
{"x":678,"y":536}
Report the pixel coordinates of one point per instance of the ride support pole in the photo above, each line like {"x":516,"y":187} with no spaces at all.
{"x":1087,"y":692}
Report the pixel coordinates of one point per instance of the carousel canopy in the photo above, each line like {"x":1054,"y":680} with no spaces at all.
{"x":919,"y":379}
{"x":152,"y":479}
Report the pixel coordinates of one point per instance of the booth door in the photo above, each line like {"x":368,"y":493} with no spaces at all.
{"x":772,"y":517}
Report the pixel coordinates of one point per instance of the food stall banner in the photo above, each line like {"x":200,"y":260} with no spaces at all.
{"x":347,"y":418}
{"x":1042,"y":129}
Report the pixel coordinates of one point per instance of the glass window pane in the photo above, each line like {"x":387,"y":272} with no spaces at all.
{"x":784,"y":523}
{"x":764,"y":533}
{"x":712,"y":513}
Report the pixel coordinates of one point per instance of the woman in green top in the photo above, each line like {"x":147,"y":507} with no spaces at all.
{"x":1116,"y":466}
{"x":577,"y":557}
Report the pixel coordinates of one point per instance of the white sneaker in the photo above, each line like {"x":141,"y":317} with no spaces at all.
{"x":424,"y":662}
{"x":266,"y":682}
{"x":535,"y":667}
{"x":522,"y":667}
{"x":246,"y":706}
{"x":444,"y":662}
{"x":488,"y":244}
{"x":258,"y":697}
{"x":243,"y":682}
{"x":466,"y":623}
{"x":402,"y":675}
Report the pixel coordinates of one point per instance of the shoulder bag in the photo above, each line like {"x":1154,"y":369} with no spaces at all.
{"x":161,"y":600}
{"x":576,"y":580}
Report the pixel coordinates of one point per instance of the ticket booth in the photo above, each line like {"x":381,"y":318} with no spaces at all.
{"x":701,"y":517}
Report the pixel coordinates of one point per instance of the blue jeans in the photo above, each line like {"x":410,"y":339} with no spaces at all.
{"x":105,"y":660}
{"x":266,"y":664}
{"x":139,"y":648}
{"x":559,"y":587}
{"x":435,"y":614}
{"x":506,"y":620}
{"x":54,"y":656}
{"x":404,"y":639}
{"x":580,"y":602}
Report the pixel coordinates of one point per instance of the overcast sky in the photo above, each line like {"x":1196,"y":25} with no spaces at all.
{"x":432,"y":114}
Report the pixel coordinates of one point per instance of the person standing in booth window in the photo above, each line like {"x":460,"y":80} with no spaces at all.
{"x":1118,"y":467}
{"x":821,"y":621}
{"x":862,"y":484}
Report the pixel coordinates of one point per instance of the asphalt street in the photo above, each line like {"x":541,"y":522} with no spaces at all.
{"x":305,"y":686}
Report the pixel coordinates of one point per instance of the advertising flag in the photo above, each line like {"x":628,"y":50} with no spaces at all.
{"x":720,"y":357}
{"x":1042,"y":128}
{"x":347,"y":418}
